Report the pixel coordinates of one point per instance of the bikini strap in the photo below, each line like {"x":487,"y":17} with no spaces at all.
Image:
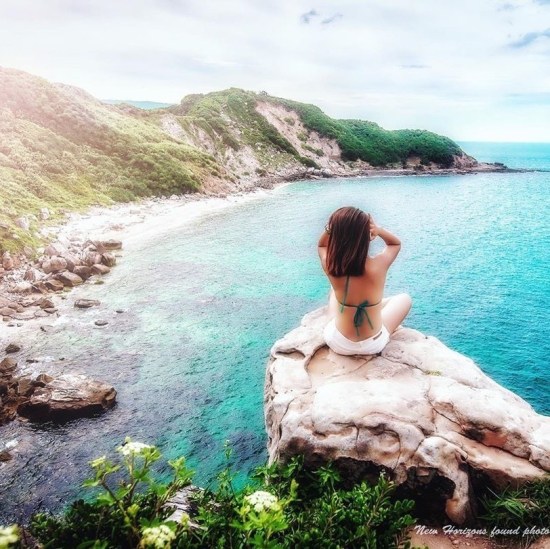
{"x":358,"y":317}
{"x":343,"y":302}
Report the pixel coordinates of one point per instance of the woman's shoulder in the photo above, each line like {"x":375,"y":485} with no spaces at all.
{"x":375,"y":265}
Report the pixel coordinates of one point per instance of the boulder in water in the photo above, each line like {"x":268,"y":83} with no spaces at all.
{"x":108,"y":259}
{"x":110,"y":244}
{"x":68,"y":396}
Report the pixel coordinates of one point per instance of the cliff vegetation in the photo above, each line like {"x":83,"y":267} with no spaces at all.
{"x":64,"y":150}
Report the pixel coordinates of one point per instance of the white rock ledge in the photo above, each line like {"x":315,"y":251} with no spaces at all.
{"x":428,"y":415}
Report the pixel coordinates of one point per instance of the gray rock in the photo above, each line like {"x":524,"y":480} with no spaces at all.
{"x":32,"y":274}
{"x":55,"y":249}
{"x":7,"y":261}
{"x":91,"y":258}
{"x":23,"y":223}
{"x":7,"y":365}
{"x":55,"y":285}
{"x":110,"y":244}
{"x":72,"y":261}
{"x":24,"y":287}
{"x":25,"y":386}
{"x":54,"y":265}
{"x":45,"y":303}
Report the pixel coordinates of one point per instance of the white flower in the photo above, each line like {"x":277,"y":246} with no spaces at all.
{"x":98,"y":462}
{"x":133,"y":448}
{"x":158,"y":537}
{"x":8,"y":535}
{"x":263,"y":501}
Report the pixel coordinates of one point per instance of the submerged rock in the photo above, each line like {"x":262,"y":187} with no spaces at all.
{"x":13,"y":348}
{"x":427,"y":415}
{"x":86,"y":303}
{"x":110,"y":244}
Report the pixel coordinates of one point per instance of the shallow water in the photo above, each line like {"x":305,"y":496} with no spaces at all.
{"x":203,"y":305}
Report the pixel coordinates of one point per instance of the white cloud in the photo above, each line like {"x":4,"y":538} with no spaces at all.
{"x":470,"y":69}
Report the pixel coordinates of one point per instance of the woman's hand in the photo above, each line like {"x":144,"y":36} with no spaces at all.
{"x":374,"y":229}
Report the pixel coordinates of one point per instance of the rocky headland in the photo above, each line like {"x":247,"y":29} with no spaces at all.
{"x":443,"y":430}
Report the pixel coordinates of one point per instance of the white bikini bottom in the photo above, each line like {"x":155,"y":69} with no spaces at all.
{"x":344,"y":346}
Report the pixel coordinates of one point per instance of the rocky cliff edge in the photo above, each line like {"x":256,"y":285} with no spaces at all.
{"x":427,"y":415}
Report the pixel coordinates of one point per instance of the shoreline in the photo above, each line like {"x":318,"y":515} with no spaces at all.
{"x":148,"y":217}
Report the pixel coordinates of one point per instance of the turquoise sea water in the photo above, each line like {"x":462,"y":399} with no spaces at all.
{"x":205,"y":303}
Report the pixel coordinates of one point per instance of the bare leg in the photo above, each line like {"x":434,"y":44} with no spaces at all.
{"x":395,"y":310}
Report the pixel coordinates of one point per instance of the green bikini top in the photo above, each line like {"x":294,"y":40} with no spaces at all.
{"x":361,"y":309}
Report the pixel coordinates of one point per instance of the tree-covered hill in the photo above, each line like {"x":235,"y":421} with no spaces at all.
{"x":63,"y":149}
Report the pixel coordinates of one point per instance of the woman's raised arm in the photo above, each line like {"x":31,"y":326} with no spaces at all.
{"x":393,"y":244}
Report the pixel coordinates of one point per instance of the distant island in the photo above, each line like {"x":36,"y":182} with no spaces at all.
{"x":64,"y":150}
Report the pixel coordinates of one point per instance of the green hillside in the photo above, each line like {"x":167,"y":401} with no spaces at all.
{"x":63,"y":149}
{"x":362,"y":140}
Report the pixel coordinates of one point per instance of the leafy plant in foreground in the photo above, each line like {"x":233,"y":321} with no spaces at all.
{"x":120,"y":516}
{"x":284,"y":505}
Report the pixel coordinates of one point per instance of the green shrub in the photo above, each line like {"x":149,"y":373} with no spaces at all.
{"x":282,"y":506}
{"x":524,"y":510}
{"x":318,"y":152}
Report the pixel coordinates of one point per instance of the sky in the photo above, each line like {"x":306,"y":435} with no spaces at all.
{"x":475,"y":70}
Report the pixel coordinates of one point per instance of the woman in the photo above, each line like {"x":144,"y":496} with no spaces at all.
{"x":361,"y":320}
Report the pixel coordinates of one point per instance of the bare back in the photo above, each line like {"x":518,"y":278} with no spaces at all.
{"x":369,"y":288}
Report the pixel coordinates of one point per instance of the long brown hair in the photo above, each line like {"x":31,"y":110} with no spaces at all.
{"x":348,"y":242}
